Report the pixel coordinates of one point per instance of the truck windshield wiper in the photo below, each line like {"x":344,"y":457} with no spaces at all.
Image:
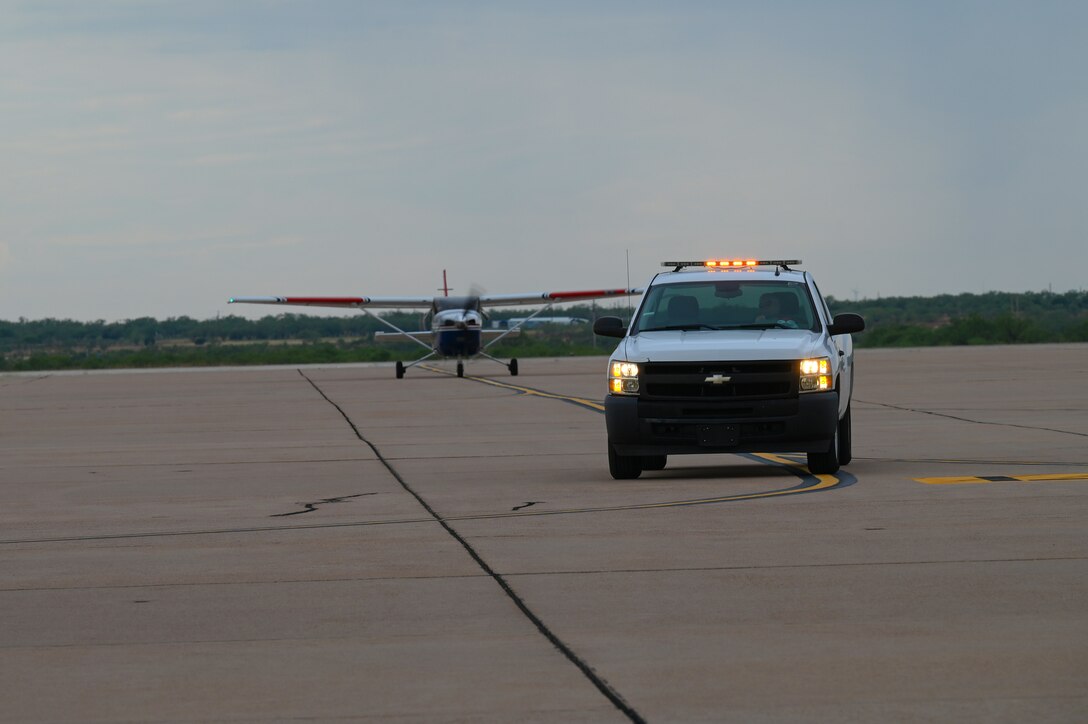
{"x":763,"y":325}
{"x":681,"y":327}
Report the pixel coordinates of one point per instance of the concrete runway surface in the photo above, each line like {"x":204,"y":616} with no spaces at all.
{"x":330,"y":543}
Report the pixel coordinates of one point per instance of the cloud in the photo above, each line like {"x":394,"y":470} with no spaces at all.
{"x":173,"y":242}
{"x":281,"y":146}
{"x":203,"y":115}
{"x":225,"y":159}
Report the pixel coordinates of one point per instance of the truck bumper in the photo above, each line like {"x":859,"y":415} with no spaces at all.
{"x":804,"y":424}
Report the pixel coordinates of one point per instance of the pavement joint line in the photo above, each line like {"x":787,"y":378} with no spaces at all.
{"x":967,"y":419}
{"x":591,"y":675}
{"x":571,"y":572}
{"x":940,"y":461}
{"x":180,"y":643}
{"x":271,"y":582}
{"x":213,"y":531}
{"x":200,"y":464}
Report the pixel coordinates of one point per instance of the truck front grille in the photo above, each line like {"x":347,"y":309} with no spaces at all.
{"x":762,"y":380}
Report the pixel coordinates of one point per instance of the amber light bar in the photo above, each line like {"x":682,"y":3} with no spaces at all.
{"x":732,"y":263}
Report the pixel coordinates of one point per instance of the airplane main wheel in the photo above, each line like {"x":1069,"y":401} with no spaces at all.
{"x":460,"y":369}
{"x":400,"y":370}
{"x":513,"y":368}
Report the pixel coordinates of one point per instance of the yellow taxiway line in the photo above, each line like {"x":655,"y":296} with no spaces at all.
{"x":591,"y":404}
{"x":979,"y":479}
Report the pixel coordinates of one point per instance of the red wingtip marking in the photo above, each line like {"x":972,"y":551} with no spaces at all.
{"x":324,"y":300}
{"x":589,"y":293}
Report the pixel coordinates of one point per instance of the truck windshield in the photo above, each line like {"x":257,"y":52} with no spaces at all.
{"x":727,"y":304}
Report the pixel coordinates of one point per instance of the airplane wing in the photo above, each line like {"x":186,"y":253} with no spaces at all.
{"x":428,"y":335}
{"x":554,"y":297}
{"x":422,"y":336}
{"x":341,"y":302}
{"x":426,"y":302}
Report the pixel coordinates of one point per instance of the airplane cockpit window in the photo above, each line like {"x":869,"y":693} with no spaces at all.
{"x":728,"y":304}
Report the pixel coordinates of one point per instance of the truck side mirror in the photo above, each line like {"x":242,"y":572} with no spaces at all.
{"x":610,"y":327}
{"x":846,"y":324}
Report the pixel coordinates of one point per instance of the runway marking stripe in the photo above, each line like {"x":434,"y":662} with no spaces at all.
{"x":980,"y":479}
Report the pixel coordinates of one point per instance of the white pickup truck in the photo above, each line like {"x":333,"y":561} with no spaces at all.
{"x":729,"y":356}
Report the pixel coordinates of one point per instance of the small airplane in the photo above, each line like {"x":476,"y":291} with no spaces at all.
{"x":456,"y":322}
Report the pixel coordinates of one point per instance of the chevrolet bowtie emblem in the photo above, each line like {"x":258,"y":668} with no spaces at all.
{"x":717,"y":379}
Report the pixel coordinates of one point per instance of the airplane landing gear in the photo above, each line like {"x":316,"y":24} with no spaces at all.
{"x":513,"y":367}
{"x":460,"y":369}
{"x":400,"y":370}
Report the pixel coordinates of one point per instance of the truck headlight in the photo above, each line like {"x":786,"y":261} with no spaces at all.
{"x":623,"y":378}
{"x":815,"y":375}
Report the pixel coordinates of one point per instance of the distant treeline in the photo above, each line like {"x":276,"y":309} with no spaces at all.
{"x":992,"y":318}
{"x":958,"y":319}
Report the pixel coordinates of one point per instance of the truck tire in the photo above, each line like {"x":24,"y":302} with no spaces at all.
{"x":654,"y":462}
{"x":623,"y":467}
{"x":845,"y":453}
{"x":826,"y":463}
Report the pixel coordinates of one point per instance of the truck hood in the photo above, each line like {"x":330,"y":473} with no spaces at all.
{"x":707,"y":345}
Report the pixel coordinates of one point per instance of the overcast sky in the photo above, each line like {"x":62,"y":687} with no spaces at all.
{"x":157,"y":158}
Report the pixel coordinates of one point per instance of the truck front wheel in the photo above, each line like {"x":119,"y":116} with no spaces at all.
{"x":826,"y":463}
{"x":654,"y":462}
{"x":623,"y":467}
{"x":845,"y":453}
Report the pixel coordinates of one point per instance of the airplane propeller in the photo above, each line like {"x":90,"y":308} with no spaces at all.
{"x":472,"y":304}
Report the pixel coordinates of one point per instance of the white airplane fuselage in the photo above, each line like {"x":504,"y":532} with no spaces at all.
{"x":457,"y":332}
